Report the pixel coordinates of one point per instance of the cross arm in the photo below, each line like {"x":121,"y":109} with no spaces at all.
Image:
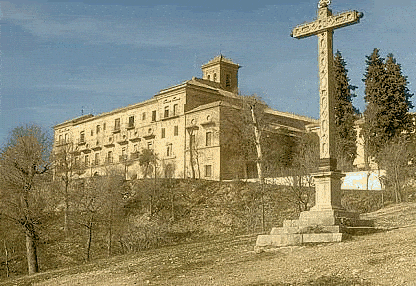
{"x":331,"y":22}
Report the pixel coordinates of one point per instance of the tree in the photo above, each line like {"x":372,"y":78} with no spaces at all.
{"x":253,"y":110}
{"x":147,"y":160}
{"x":398,"y":99}
{"x":388,"y":104}
{"x":65,"y":169}
{"x":193,"y":155}
{"x":279,"y":151}
{"x":111,"y":187}
{"x":395,"y":158}
{"x":345,"y":115}
{"x":93,"y":203}
{"x":23,"y":167}
{"x":305,"y":163}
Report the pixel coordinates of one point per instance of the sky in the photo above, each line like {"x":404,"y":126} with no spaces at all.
{"x":61,"y":59}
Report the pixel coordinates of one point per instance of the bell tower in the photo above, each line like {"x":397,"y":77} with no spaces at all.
{"x":222,"y":71}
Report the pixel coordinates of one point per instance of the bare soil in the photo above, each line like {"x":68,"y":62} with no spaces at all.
{"x":384,"y":258}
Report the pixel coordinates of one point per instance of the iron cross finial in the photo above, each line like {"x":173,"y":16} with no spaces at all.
{"x":324,"y":3}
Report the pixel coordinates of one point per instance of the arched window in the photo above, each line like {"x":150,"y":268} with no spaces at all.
{"x":175,"y":109}
{"x":166,"y":111}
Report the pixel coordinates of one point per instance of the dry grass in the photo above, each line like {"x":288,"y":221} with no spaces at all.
{"x":386,"y":258}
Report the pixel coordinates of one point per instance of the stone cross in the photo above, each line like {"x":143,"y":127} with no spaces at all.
{"x":327,"y":213}
{"x":323,"y":26}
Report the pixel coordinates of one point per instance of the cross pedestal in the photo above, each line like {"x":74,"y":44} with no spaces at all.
{"x":327,"y":220}
{"x":328,"y":209}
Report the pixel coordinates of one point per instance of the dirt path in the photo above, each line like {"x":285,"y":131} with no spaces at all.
{"x":379,"y":259}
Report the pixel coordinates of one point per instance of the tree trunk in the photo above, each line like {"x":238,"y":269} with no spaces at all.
{"x":382,"y":198}
{"x":110,"y":234}
{"x":397,"y":186}
{"x":172,"y":207}
{"x":257,"y":136}
{"x":191,"y":155}
{"x":153,"y":196}
{"x":6,"y":252}
{"x":66,"y":212}
{"x":31,"y":252}
{"x":89,"y":227}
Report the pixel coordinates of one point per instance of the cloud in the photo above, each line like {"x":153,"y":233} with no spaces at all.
{"x":104,"y":28}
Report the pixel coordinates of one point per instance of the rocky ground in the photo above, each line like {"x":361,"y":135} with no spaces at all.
{"x":384,"y":258}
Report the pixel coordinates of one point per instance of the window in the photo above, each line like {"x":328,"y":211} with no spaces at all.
{"x":110,"y":157}
{"x":66,"y":138}
{"x":117,"y":124}
{"x":60,"y":140}
{"x":175,"y":109}
{"x":208,"y":138}
{"x":86,"y":160}
{"x":104,"y":126}
{"x":209,"y":77}
{"x":135,"y":148}
{"x":175,"y":130}
{"x":92,"y":132}
{"x":131,"y":121}
{"x":144,"y":116}
{"x":169,"y":151}
{"x":150,"y":145}
{"x":123,"y":156}
{"x":76,"y":162}
{"x":163,"y":135}
{"x":193,"y":140}
{"x":228,"y":80}
{"x":154,"y":115}
{"x":208,"y":170}
{"x":166,"y":114}
{"x":215,"y":77}
{"x":82,"y":137}
{"x":98,"y":129}
{"x":97,"y":158}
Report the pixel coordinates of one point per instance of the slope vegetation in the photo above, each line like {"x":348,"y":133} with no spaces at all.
{"x":385,"y":258}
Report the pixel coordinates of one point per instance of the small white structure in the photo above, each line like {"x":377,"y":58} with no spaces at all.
{"x":364,"y":180}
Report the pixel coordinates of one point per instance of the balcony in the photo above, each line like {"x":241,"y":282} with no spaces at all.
{"x":59,"y":143}
{"x":122,"y":139}
{"x":134,"y":136}
{"x":122,"y":158}
{"x":81,"y":141}
{"x":130,"y":125}
{"x":110,"y":142}
{"x":97,"y":146}
{"x":134,"y":155}
{"x":150,"y":134}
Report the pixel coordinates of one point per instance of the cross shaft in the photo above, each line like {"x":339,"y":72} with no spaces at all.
{"x":323,"y":27}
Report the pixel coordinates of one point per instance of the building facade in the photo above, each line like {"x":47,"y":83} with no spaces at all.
{"x":185,"y":126}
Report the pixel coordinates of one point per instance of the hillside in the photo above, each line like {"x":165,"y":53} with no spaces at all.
{"x":385,"y":258}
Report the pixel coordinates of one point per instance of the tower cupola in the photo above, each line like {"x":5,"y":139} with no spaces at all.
{"x":222,"y":71}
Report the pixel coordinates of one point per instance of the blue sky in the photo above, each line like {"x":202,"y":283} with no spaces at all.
{"x":61,"y":58}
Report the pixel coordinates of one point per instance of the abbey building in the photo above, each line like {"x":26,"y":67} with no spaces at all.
{"x":187,"y":126}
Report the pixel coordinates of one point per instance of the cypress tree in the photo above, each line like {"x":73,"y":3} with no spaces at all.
{"x":399,"y":102}
{"x":345,"y":115}
{"x":388,"y":103}
{"x":374,"y":90}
